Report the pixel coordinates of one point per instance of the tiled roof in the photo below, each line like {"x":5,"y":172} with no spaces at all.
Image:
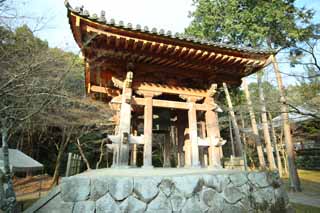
{"x":80,"y":11}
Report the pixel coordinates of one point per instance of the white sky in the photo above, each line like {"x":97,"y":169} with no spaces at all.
{"x":167,"y":14}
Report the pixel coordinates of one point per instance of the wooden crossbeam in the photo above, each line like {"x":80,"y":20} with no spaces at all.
{"x":152,"y":87}
{"x":165,"y":104}
{"x":105,"y":90}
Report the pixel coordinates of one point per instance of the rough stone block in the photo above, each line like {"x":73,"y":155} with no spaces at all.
{"x":192,"y":206}
{"x":166,"y":186}
{"x":217,"y":182}
{"x":146,"y":188}
{"x":232,"y":195}
{"x":84,"y":207}
{"x":132,"y":204}
{"x":238,"y":179}
{"x":177,"y":201}
{"x":99,"y":187}
{"x":259,"y":179}
{"x":280,"y":193}
{"x":107,"y":204}
{"x":74,"y":189}
{"x":232,"y":208}
{"x":218,"y":203}
{"x":160,"y":204}
{"x":65,"y":207}
{"x":120,"y":187}
{"x":207,"y":195}
{"x":187,"y":184}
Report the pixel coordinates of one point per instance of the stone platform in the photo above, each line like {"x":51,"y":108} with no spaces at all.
{"x":166,"y":190}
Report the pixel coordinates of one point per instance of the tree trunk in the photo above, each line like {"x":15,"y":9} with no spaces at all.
{"x":231,"y":137}
{"x":238,"y":145}
{"x":64,"y":143}
{"x":5,"y":151}
{"x":293,"y":174}
{"x":265,"y":126}
{"x":83,"y":155}
{"x":283,"y":153}
{"x":255,"y":131}
{"x":101,"y":153}
{"x":7,"y":194}
{"x":244,"y":143}
{"x":273,"y":132}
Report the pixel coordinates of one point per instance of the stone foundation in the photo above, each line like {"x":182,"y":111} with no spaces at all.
{"x":167,"y":190}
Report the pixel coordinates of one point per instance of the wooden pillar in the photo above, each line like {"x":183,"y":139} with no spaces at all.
{"x":167,"y":150}
{"x":193,"y":132}
{"x":181,"y":126}
{"x":231,"y":137}
{"x":148,"y":116}
{"x":122,"y":150}
{"x":293,"y":173}
{"x":213,"y":131}
{"x":254,"y":125}
{"x":133,"y":161}
{"x":187,"y":149}
{"x":238,"y":145}
{"x":202,"y":149}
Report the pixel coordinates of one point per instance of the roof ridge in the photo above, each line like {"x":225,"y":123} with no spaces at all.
{"x":180,"y":36}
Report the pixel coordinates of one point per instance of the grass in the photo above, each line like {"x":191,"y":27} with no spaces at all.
{"x":310,"y":184}
{"x":305,"y":209}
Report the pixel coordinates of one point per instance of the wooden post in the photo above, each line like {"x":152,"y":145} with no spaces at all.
{"x":166,"y":150}
{"x":238,"y":145}
{"x":265,"y":126}
{"x":187,"y":149}
{"x":202,"y":150}
{"x":181,"y":126}
{"x":134,"y":152}
{"x":147,"y":151}
{"x":69,"y":164}
{"x":231,"y":137}
{"x":293,"y":174}
{"x":193,"y":132}
{"x":254,"y":125}
{"x":275,"y":145}
{"x":122,"y":150}
{"x":213,"y":131}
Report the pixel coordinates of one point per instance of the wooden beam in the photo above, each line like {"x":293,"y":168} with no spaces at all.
{"x":144,"y":45}
{"x":190,"y":53}
{"x":160,"y":48}
{"x":148,"y":117}
{"x":78,"y":34}
{"x":152,"y":87}
{"x":212,"y":55}
{"x":165,"y":104}
{"x":203,"y":55}
{"x":193,"y":132}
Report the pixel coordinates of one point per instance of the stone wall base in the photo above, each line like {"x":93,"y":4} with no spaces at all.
{"x":166,"y":190}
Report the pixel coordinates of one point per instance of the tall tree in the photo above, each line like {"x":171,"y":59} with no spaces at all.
{"x":277,"y":23}
{"x":265,"y":126}
{"x":254,"y":125}
{"x":238,"y":146}
{"x":272,"y":24}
